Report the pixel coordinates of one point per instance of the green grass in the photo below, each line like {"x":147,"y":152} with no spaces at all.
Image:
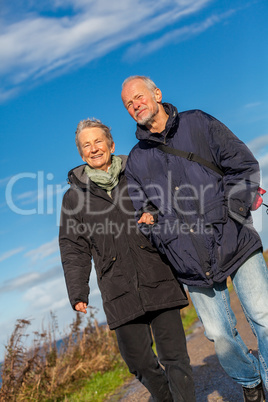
{"x":100,"y":385}
{"x":189,"y":319}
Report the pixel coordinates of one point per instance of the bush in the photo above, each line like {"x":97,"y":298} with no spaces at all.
{"x":48,"y":372}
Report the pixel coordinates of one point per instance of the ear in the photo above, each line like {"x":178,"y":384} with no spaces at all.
{"x":112,"y":147}
{"x":158,"y":95}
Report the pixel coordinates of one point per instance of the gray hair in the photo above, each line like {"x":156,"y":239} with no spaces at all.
{"x":92,"y":123}
{"x":149,"y":83}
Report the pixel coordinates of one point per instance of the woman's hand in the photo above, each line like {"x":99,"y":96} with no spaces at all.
{"x":81,"y":307}
{"x":146,"y":218}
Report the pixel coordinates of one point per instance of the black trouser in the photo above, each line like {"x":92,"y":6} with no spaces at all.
{"x":135,"y":345}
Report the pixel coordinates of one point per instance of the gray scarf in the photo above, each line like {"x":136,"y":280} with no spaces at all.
{"x":106,"y":180}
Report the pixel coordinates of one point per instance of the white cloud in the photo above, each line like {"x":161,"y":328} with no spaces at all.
{"x":260,"y":216}
{"x":258,"y":144}
{"x":38,"y":42}
{"x":259,"y":147}
{"x":52,"y":295}
{"x":10,"y":253}
{"x":47,"y":296}
{"x":6,"y":94}
{"x":263,"y":160}
{"x":4,"y":181}
{"x":260,"y":223}
{"x":40,"y":197}
{"x":31,"y":279}
{"x":252,"y":105}
{"x":43,"y":251}
{"x":35,"y":305}
{"x":177,"y":35}
{"x":38,"y":301}
{"x":27,"y":194}
{"x":95,"y":292}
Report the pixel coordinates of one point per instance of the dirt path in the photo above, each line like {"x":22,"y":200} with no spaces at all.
{"x":211,"y":382}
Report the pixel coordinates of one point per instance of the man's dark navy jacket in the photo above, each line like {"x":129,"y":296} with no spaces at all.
{"x":204,"y":224}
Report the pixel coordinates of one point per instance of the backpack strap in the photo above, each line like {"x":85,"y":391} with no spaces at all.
{"x":190,"y":156}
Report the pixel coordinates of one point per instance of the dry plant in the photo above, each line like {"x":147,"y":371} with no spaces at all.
{"x":48,"y":372}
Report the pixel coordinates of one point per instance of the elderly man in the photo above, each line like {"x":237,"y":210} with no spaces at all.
{"x":193,"y":184}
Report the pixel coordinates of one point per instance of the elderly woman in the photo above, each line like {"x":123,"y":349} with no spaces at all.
{"x":138,"y":289}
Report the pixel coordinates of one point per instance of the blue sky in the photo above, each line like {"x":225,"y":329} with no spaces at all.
{"x":65,"y":60}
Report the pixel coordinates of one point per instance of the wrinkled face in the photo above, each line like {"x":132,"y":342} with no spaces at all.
{"x":95,"y":147}
{"x":140,"y":102}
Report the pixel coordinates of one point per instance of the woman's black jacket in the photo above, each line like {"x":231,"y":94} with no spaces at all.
{"x":132,"y":277}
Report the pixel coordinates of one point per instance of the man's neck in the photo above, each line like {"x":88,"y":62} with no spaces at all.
{"x":159,"y":122}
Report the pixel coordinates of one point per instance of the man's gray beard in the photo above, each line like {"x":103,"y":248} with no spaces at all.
{"x":147,"y":121}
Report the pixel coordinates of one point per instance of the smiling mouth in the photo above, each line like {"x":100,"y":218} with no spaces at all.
{"x":139,"y":112}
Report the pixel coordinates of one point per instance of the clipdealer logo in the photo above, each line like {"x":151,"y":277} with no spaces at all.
{"x":46,"y":196}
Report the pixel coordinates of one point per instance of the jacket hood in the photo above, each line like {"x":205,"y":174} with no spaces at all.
{"x":143,"y":133}
{"x":78,"y":176}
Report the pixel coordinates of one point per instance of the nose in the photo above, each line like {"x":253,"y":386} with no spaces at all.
{"x":93,"y":148}
{"x":136,"y":104}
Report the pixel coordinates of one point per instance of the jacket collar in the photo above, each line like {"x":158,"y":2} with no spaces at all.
{"x":77,"y":175}
{"x":142,"y":132}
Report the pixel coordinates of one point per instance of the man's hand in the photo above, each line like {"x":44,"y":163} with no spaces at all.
{"x":146,"y":218}
{"x":81,"y":307}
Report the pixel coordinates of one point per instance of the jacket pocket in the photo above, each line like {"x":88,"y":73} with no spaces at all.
{"x":107,"y":266}
{"x":239,"y":212}
{"x":113,"y":283}
{"x":215,"y":212}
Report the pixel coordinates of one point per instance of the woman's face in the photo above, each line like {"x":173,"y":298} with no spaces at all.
{"x":95,"y":148}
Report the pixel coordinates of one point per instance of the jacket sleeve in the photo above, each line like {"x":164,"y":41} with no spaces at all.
{"x":241,"y":170}
{"x":75,"y":253}
{"x":135,"y":189}
{"x":140,"y":201}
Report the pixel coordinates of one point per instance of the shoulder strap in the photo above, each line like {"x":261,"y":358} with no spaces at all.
{"x":190,"y":156}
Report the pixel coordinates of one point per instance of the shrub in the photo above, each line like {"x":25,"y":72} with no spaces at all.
{"x":48,"y":372}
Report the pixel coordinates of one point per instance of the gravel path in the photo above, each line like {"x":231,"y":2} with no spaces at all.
{"x":211,"y":382}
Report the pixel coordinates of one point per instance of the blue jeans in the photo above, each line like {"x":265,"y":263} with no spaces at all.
{"x":214,"y":311}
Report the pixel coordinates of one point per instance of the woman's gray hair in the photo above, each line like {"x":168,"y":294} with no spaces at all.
{"x":92,"y":123}
{"x":149,"y":83}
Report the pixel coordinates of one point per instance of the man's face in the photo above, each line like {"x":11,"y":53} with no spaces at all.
{"x":140,"y":102}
